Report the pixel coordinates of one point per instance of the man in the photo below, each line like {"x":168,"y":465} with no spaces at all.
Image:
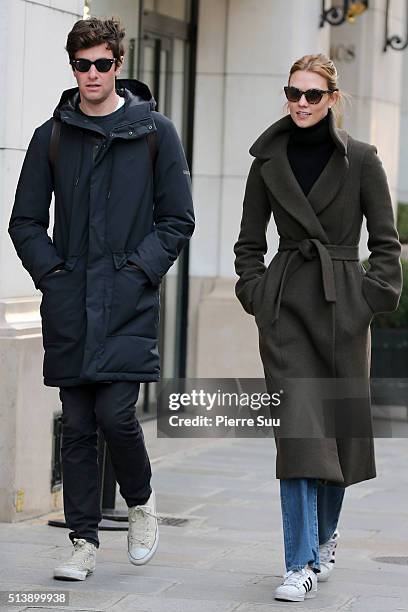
{"x":123,"y":212}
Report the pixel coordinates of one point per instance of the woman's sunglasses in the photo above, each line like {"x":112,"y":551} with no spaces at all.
{"x":313,"y":96}
{"x":103,"y":64}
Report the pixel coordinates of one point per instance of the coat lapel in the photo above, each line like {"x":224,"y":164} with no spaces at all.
{"x":277,"y":173}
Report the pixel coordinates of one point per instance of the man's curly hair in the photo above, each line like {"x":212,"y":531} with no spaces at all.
{"x":87,"y":33}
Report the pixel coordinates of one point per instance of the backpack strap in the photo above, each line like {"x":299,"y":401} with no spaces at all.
{"x":54,"y":143}
{"x":152,"y":144}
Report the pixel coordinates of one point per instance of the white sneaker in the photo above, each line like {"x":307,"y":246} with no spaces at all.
{"x":143,"y":534}
{"x":297,"y":585}
{"x":327,"y":553}
{"x":81,"y":564}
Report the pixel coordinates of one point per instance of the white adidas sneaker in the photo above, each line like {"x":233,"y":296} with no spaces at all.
{"x":81,"y":563}
{"x":297,"y":585}
{"x":143,"y":534}
{"x":327,"y":554}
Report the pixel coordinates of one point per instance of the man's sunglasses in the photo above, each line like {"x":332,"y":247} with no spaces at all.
{"x":313,"y":96}
{"x":103,"y":64}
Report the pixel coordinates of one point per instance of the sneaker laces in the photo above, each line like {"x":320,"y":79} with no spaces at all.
{"x":82,"y":552}
{"x":295,"y":576}
{"x":141,"y":515}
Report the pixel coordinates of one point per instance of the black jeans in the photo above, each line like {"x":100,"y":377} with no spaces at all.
{"x":111,"y":406}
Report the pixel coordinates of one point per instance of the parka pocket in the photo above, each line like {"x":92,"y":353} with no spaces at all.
{"x":135,"y":302}
{"x":59,"y":304}
{"x":67,"y":266}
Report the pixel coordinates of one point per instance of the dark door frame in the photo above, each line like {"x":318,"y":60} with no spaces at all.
{"x":153,"y":27}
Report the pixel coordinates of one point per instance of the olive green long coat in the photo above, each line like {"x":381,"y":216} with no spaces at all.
{"x":314,"y":303}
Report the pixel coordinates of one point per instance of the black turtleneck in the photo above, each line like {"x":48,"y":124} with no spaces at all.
{"x":309,"y":149}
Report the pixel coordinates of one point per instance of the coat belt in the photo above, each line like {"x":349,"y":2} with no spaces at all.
{"x":309,"y":249}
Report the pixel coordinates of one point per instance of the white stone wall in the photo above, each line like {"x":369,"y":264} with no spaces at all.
{"x":35,"y":71}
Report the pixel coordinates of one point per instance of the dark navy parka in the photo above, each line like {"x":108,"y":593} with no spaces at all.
{"x":100,"y":313}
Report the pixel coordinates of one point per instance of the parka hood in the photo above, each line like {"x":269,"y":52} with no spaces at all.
{"x":135,"y":93}
{"x":264,"y":145}
{"x":139,"y":103}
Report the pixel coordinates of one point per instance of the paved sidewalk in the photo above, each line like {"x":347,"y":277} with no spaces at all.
{"x":229,"y":554}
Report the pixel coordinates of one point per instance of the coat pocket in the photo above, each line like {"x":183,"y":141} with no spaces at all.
{"x":368,"y":309}
{"x":257,"y":294}
{"x":59,"y":306}
{"x":265,"y":293}
{"x":135,"y":302}
{"x":68,"y":265}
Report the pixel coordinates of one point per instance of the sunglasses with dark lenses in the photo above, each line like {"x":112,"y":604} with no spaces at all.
{"x":103,"y":64}
{"x":313,"y":96}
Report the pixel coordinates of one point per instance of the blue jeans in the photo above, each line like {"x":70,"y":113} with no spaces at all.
{"x":310,"y":513}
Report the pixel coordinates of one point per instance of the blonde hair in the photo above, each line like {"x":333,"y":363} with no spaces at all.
{"x":323,"y":65}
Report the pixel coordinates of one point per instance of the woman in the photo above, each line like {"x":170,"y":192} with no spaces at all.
{"x":313,"y":306}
